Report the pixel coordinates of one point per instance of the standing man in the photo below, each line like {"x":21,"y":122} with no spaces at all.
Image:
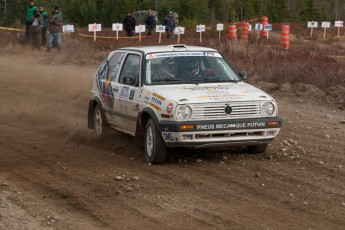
{"x":169,"y":23}
{"x":54,"y":27}
{"x":150,"y":22}
{"x":36,"y":30}
{"x":29,"y":16}
{"x":44,"y":16}
{"x":129,"y":24}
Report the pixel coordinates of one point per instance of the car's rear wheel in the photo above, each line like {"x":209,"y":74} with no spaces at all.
{"x":257,"y":149}
{"x":99,"y":121}
{"x":155,"y":148}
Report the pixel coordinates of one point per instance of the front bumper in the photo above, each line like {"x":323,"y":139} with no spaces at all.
{"x":220,"y":133}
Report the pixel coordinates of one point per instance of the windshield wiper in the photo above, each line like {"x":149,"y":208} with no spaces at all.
{"x":211,"y":80}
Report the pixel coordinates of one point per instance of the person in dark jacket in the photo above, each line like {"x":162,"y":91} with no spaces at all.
{"x":44,"y":16}
{"x":36,"y":30}
{"x":129,"y":24}
{"x":54,"y":26}
{"x":169,"y":23}
{"x":150,"y":22}
{"x":29,"y":16}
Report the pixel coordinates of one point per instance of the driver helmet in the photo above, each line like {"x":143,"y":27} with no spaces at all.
{"x":191,"y":65}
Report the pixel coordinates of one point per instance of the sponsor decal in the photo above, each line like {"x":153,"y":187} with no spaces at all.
{"x":270,"y":133}
{"x":244,"y":125}
{"x":168,"y":136}
{"x":170,"y":107}
{"x":158,"y":96}
{"x":156,"y":101}
{"x":146,"y":99}
{"x":124,"y":92}
{"x":131,"y":94}
{"x":154,"y":106}
{"x":182,"y":54}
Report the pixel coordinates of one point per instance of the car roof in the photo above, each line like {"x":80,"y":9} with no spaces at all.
{"x":168,"y":48}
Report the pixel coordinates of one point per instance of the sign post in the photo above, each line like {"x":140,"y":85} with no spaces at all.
{"x":94,"y":28}
{"x":312,"y":25}
{"x":179,"y":30}
{"x":258,"y":27}
{"x":220,"y":28}
{"x":267,"y":27}
{"x":117,"y":27}
{"x":325,"y":25}
{"x":338,"y":24}
{"x":200,"y":29}
{"x":140,"y":29}
{"x":160,"y":29}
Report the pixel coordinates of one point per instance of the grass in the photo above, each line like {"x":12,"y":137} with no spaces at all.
{"x":314,"y":61}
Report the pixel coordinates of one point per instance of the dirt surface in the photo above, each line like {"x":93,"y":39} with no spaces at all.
{"x":56,"y":174}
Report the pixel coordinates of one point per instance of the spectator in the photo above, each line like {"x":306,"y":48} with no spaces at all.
{"x":169,"y":25}
{"x":129,"y":24}
{"x":54,"y":27}
{"x":150,"y":22}
{"x":29,"y":16}
{"x":44,"y":16}
{"x":36,"y":30}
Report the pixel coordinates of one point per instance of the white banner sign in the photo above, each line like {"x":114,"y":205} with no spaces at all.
{"x":313,"y":24}
{"x":140,"y":29}
{"x":325,"y":24}
{"x":179,"y":30}
{"x":220,"y":27}
{"x":160,"y":29}
{"x":200,"y":28}
{"x":117,"y":27}
{"x":95,"y":27}
{"x":338,"y":24}
{"x":68,"y":29}
{"x":250,"y":27}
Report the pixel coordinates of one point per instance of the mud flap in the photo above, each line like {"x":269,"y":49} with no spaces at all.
{"x":139,"y":135}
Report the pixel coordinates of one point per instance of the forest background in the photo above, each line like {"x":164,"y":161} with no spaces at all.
{"x":191,"y":12}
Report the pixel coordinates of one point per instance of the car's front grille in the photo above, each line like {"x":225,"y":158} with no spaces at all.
{"x":218,"y":110}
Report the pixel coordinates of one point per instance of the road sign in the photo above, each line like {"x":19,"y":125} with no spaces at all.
{"x":338,"y":24}
{"x":140,"y":29}
{"x":200,"y":28}
{"x":325,"y":24}
{"x":95,"y":27}
{"x":259,"y":26}
{"x":220,"y":27}
{"x":179,"y":30}
{"x":313,"y":24}
{"x":160,"y":29}
{"x":267,"y":26}
{"x":68,"y":29}
{"x":117,"y":27}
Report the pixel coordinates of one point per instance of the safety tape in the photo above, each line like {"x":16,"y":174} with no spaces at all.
{"x":111,"y":37}
{"x":11,"y":29}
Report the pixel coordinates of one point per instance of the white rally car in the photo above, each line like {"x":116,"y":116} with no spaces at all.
{"x":180,"y":96}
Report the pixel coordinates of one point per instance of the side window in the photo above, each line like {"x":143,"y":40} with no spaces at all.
{"x":130,"y":70}
{"x":114,"y":64}
{"x":103,"y":70}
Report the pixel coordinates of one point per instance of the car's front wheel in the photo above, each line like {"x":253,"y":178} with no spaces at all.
{"x":155,"y":148}
{"x":98,"y":121}
{"x":257,"y":149}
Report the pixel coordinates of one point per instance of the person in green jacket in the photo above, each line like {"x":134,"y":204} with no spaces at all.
{"x":29,"y":16}
{"x":44,"y":16}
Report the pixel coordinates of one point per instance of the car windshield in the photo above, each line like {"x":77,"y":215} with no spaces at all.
{"x":188,"y":68}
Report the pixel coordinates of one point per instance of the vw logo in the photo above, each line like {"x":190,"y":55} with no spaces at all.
{"x":228,"y":109}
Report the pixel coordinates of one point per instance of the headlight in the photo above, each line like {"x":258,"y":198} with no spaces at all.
{"x":267,"y":109}
{"x":184,"y":112}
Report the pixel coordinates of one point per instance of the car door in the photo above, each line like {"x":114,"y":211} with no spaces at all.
{"x":126,"y":93}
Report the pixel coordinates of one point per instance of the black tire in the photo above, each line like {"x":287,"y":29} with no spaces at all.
{"x":257,"y":149}
{"x":155,"y":148}
{"x":99,"y":122}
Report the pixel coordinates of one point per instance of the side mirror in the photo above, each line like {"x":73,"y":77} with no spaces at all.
{"x":243,"y":75}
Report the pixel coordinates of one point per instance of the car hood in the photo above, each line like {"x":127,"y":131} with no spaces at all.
{"x":204,"y":93}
